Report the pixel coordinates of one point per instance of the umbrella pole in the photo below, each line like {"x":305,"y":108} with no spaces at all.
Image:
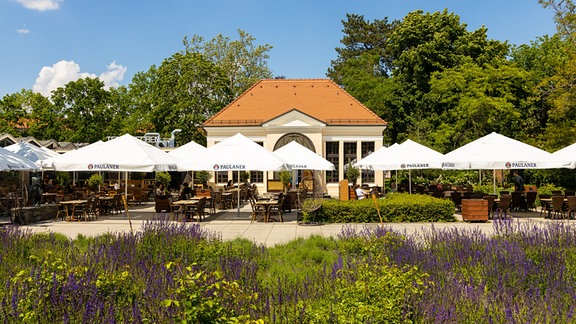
{"x":238,"y":201}
{"x":494,"y":179}
{"x":410,"y":181}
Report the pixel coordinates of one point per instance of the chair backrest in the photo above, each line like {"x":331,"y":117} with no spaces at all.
{"x":505,"y":201}
{"x":557,"y":202}
{"x":571,"y":200}
{"x":531,"y":197}
{"x":504,"y":192}
{"x":490,"y":200}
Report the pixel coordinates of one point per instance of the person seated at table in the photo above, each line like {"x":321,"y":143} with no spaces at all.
{"x":360,"y":193}
{"x":160,"y":189}
{"x":229,"y":185}
{"x":186,"y":191}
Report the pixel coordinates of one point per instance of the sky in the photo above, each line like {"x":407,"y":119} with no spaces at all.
{"x":46,"y":43}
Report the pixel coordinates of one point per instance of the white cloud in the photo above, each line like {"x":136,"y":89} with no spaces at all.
{"x":23,"y":31}
{"x":114,"y":73}
{"x":52,"y":77}
{"x":40,"y":5}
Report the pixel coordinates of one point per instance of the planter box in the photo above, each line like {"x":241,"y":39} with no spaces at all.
{"x":475,"y":210}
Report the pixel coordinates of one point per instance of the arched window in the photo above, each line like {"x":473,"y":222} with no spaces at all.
{"x":299,"y":138}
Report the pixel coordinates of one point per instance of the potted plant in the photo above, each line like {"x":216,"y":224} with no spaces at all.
{"x":244,"y":176}
{"x":285,"y":178}
{"x":352,"y":173}
{"x":95,"y":181}
{"x":203,"y":177}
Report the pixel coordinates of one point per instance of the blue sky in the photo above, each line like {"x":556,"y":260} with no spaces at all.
{"x":46,"y":43}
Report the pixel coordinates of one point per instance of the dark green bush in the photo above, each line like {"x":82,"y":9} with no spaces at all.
{"x":394,"y":208}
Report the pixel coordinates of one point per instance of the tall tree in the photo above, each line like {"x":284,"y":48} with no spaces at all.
{"x":187,"y":90}
{"x":559,"y":90}
{"x":470,"y":101}
{"x":242,"y":60}
{"x":84,"y":105}
{"x":411,"y":51}
{"x":14,"y":110}
{"x":365,"y":46}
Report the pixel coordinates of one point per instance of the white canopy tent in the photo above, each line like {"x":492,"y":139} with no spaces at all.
{"x":406,"y":156}
{"x":298,"y":157}
{"x":31,"y":152}
{"x":187,"y":152}
{"x":122,"y":154}
{"x":497,"y":152}
{"x":236,"y":153}
{"x":10,"y":161}
{"x":566,"y":156}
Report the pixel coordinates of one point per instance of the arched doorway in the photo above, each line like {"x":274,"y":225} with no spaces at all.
{"x":303,"y":140}
{"x":299,"y":138}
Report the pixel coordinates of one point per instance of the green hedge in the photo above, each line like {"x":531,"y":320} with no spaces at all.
{"x":397,"y":207}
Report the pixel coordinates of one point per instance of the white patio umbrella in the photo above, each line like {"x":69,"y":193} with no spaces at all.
{"x":496,"y":152}
{"x":566,"y":156}
{"x":406,"y":156}
{"x":187,"y":152}
{"x":236,"y":153}
{"x":10,"y":161}
{"x":31,"y":152}
{"x":298,"y":157}
{"x":125,"y":153}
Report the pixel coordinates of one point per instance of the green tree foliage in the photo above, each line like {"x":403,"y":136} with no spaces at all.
{"x":410,"y":52}
{"x":84,"y":106}
{"x":186,"y":91}
{"x":243,"y":62}
{"x":366,"y":48}
{"x":13,"y":111}
{"x":557,"y":91}
{"x":470,"y":101}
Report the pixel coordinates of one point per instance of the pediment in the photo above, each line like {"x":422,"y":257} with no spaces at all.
{"x":294,"y":118}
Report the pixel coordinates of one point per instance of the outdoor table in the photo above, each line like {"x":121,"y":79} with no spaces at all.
{"x":105,"y":202}
{"x":267,"y":204}
{"x":49,"y":197}
{"x":71,"y":205}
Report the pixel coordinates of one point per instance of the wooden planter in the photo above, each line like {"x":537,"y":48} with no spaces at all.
{"x":475,"y":210}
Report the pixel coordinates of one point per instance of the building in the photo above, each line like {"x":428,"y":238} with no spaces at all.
{"x":316,"y":113}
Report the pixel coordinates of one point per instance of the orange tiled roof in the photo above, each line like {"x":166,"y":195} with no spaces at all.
{"x":319,"y":98}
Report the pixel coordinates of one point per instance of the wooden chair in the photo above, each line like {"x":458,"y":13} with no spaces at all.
{"x":175,"y":210}
{"x":490,"y":200}
{"x":92,"y":209}
{"x":558,"y":207}
{"x":62,"y":211}
{"x":257,"y":210}
{"x":504,"y":206}
{"x":198,"y":210}
{"x":518,"y":201}
{"x":456,"y":198}
{"x":545,"y":207}
{"x":276,"y":209}
{"x":531,"y":200}
{"x":571,"y":206}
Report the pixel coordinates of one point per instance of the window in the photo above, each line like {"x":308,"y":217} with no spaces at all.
{"x":221,"y":176}
{"x":257,"y":176}
{"x":349,"y":155}
{"x":332,"y":155}
{"x":367,"y":175}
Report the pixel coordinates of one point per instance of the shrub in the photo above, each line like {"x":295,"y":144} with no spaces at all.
{"x":394,"y":208}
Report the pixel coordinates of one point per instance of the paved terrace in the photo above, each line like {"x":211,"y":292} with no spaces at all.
{"x":231,"y":224}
